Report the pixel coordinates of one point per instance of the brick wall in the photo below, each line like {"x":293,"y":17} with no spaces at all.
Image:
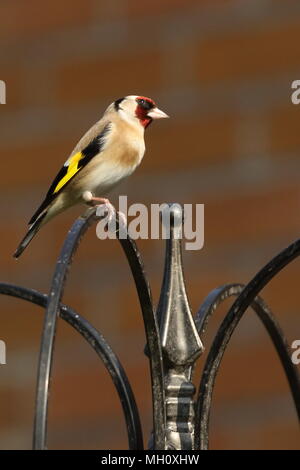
{"x":223,"y":72}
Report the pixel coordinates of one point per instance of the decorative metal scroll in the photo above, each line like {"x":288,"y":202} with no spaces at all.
{"x":172,"y":336}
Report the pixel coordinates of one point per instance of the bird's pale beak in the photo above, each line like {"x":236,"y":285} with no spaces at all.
{"x":156,"y":113}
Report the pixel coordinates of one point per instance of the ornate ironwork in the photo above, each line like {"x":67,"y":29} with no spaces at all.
{"x":181,"y":344}
{"x":172,"y":336}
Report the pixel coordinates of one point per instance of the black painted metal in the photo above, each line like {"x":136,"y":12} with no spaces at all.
{"x":153,"y":341}
{"x":48,"y":337}
{"x":172,"y":335}
{"x":214,"y":299}
{"x":104,"y":351}
{"x":181,"y":345}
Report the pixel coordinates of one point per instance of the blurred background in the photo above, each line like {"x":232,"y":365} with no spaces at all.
{"x":223,"y":71}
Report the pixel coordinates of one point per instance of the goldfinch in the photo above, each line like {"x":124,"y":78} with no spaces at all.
{"x":109,"y":152}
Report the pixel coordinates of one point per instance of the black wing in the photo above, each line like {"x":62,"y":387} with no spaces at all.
{"x":72,"y":166}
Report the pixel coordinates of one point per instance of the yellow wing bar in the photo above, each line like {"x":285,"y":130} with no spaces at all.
{"x":73,"y":168}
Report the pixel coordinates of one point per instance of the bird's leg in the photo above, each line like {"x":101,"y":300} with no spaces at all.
{"x":88,"y":198}
{"x":102,"y":201}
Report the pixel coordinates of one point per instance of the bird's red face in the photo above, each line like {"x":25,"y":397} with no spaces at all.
{"x":146,"y":110}
{"x":138,"y":110}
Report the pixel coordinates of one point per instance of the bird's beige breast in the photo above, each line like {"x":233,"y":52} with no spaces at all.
{"x":127,"y":143}
{"x":117,"y":160}
{"x":127,"y":153}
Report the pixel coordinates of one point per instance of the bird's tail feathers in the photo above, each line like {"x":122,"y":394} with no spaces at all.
{"x":32,"y":231}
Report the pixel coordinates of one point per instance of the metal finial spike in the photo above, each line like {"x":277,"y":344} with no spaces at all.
{"x":181,"y":344}
{"x":180,"y":340}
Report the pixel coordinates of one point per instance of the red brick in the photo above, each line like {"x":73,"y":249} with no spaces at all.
{"x":21,"y":161}
{"x":250,"y":373}
{"x":13,"y":78}
{"x":69,"y":386}
{"x":281,"y":293}
{"x":264,"y":436}
{"x":284,"y":436}
{"x":253,"y":217}
{"x":190,"y":143}
{"x":243,"y":219}
{"x":7,"y":398}
{"x":22,"y":328}
{"x":136,"y":8}
{"x":246,"y":55}
{"x":31,"y":18}
{"x":284,"y":125}
{"x":125,"y":74}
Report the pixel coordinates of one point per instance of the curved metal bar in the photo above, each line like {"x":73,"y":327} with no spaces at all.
{"x":153,"y":341}
{"x":48,"y":336}
{"x":211,"y":303}
{"x":205,"y":394}
{"x":49,"y":329}
{"x":104,"y":351}
{"x":246,"y":298}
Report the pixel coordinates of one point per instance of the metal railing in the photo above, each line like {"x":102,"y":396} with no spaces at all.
{"x":173,"y":343}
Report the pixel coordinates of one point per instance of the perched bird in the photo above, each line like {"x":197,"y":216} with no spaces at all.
{"x":109,"y":152}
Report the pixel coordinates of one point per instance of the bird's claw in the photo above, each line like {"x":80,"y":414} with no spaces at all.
{"x":106,"y":209}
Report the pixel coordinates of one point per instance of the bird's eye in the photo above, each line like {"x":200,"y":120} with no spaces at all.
{"x":144,"y":104}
